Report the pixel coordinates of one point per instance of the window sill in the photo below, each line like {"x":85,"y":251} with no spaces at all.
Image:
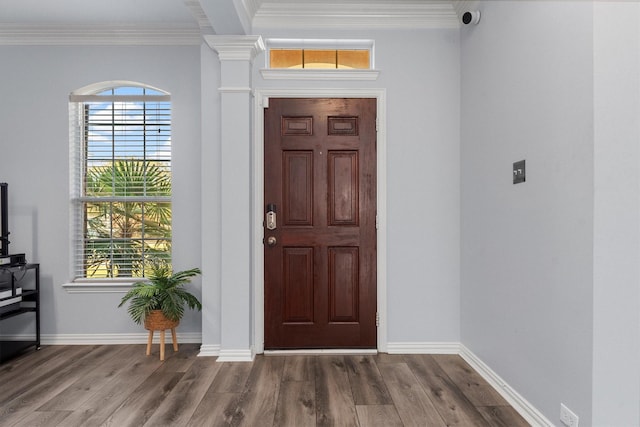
{"x":97,"y":287}
{"x":302,"y":74}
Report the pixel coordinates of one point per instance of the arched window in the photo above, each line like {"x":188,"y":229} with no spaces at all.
{"x":120,"y":179}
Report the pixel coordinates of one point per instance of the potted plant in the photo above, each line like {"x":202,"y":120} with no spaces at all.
{"x":161,"y":297}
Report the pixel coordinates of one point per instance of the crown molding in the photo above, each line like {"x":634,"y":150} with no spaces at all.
{"x":462,"y":6}
{"x":100,"y":34}
{"x":333,"y":14}
{"x":250,"y":6}
{"x":388,"y":15}
{"x":199,"y":15}
{"x":245,"y":9}
{"x":236,"y":48}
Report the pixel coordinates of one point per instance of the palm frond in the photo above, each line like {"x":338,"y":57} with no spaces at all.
{"x":164,"y":290}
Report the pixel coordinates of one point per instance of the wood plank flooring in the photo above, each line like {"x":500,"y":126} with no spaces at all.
{"x":119,"y":386}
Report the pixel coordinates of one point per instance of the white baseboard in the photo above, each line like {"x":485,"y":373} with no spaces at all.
{"x":519,"y":403}
{"x":99,"y":339}
{"x":236,"y":355}
{"x":423,"y":348}
{"x":209,"y":350}
{"x":320,"y":352}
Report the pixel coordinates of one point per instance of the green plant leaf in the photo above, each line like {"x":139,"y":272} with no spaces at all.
{"x":164,"y":290}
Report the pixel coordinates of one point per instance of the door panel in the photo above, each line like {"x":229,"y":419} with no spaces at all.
{"x":320,"y":271}
{"x":343,"y":284}
{"x":343,"y":188}
{"x":298,"y":188}
{"x":297,"y":280}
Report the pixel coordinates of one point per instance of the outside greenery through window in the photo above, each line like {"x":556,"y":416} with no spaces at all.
{"x":122,"y":181}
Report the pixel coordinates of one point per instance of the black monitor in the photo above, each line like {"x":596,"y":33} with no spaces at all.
{"x":4,"y":219}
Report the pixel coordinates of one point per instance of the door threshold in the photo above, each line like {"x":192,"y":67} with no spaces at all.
{"x":321,"y":351}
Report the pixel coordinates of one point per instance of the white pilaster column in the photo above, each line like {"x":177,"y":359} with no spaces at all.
{"x":236,"y":54}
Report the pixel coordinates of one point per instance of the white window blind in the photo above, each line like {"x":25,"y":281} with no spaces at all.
{"x":120,"y":181}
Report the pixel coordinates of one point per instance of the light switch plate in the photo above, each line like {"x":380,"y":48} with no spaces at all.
{"x":519,"y":172}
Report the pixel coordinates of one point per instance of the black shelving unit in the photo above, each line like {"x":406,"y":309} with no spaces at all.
{"x":24,"y":304}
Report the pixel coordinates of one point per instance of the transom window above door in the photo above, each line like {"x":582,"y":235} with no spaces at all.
{"x":320,"y":54}
{"x":320,"y":58}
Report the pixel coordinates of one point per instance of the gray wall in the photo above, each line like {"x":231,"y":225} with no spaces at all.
{"x":34,"y":118}
{"x":616,"y":294}
{"x":527,"y":249}
{"x":550,"y":296}
{"x":420,"y":71}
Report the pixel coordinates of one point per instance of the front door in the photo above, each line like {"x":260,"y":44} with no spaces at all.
{"x":320,"y":241}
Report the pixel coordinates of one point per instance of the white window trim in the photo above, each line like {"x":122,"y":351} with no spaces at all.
{"x":85,"y":286}
{"x":86,"y":94}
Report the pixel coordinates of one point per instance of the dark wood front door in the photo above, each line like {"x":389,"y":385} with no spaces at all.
{"x":320,"y":260}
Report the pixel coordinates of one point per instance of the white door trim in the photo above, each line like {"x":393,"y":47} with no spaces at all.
{"x":261,"y":101}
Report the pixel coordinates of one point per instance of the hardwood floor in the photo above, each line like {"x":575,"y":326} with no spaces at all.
{"x":119,"y":386}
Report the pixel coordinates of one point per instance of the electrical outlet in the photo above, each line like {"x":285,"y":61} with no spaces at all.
{"x":567,"y":417}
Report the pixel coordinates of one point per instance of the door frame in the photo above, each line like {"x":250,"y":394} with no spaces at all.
{"x":261,"y":101}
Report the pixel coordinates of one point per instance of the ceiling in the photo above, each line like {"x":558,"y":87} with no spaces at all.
{"x":184,"y":21}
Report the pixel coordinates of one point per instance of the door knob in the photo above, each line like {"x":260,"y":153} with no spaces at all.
{"x":271,"y":241}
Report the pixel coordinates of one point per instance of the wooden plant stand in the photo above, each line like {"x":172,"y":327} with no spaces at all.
{"x":156,"y":321}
